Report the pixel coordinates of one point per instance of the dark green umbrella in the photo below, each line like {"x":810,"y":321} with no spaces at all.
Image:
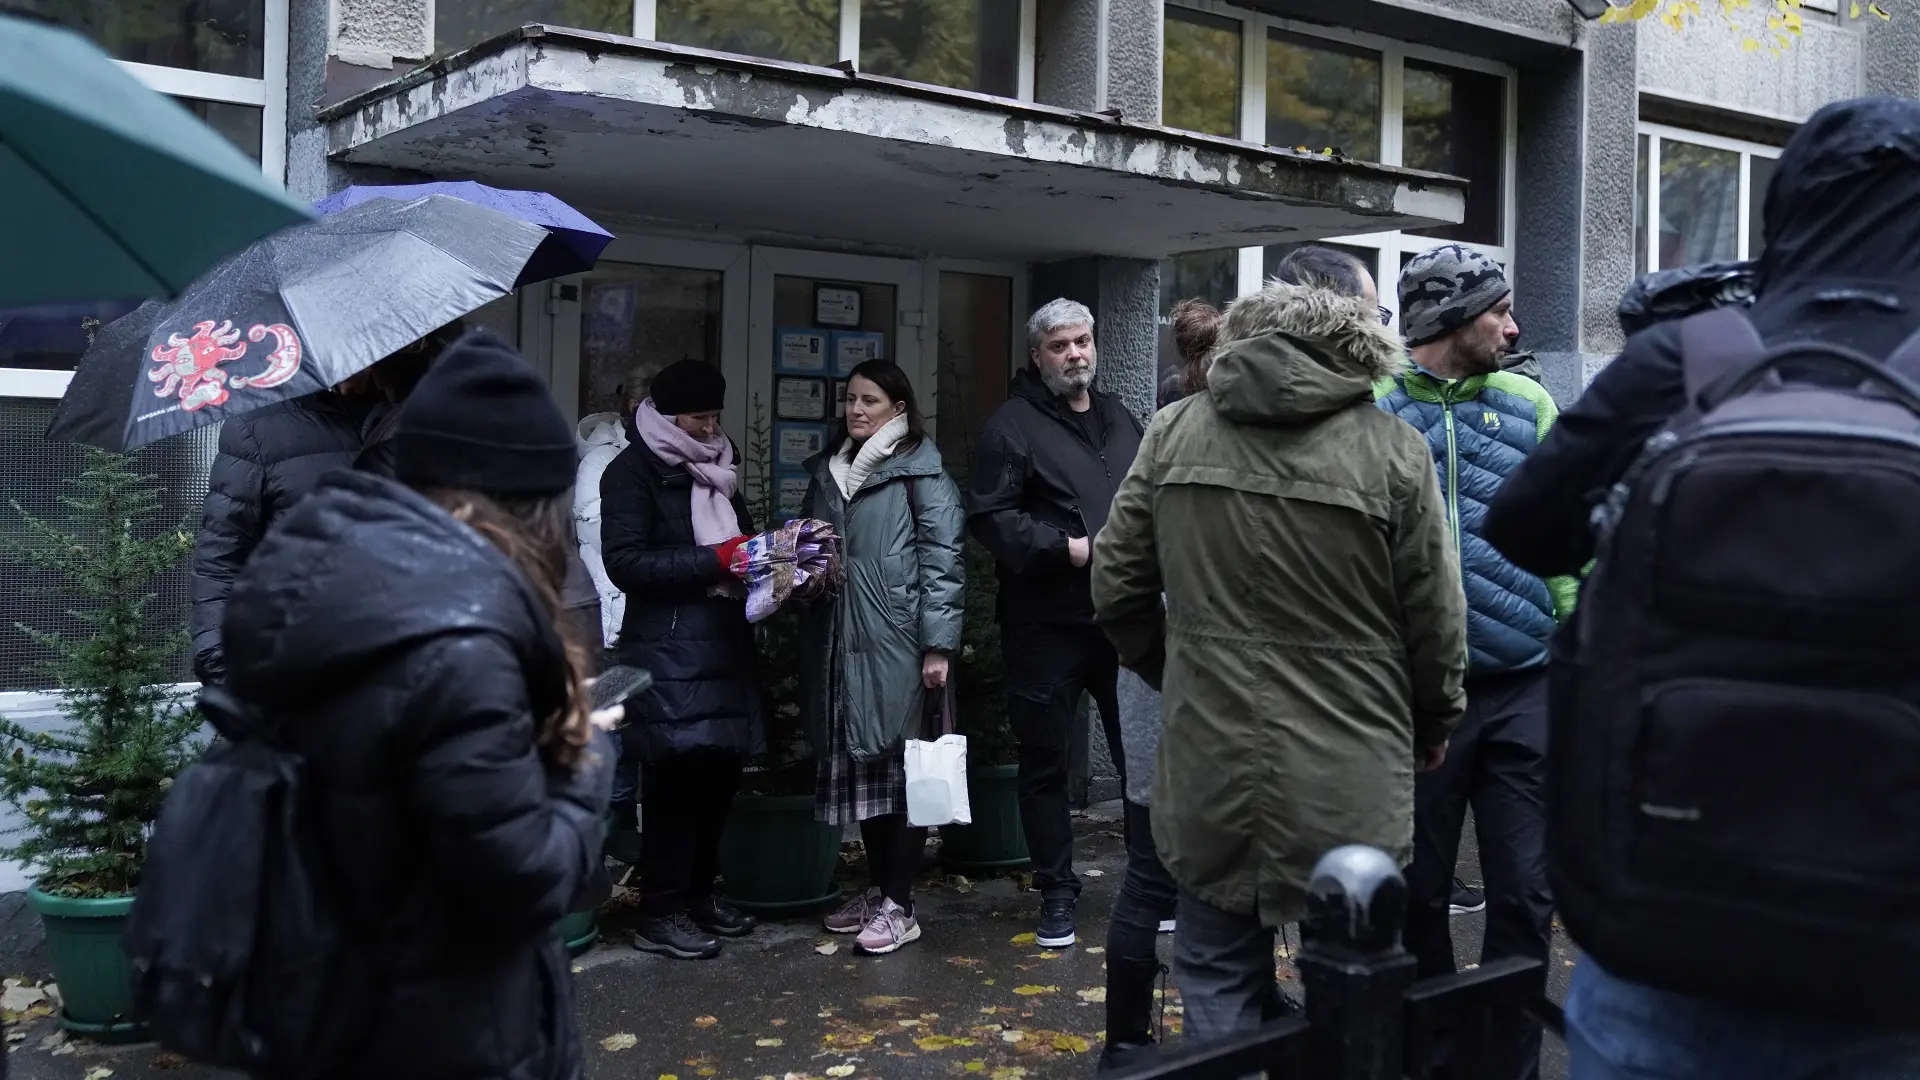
{"x":109,"y":190}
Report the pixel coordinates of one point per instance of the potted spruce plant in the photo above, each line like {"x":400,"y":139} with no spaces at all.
{"x":774,"y":856}
{"x":89,"y":790}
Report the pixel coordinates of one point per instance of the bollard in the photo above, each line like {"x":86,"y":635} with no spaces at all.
{"x":1353,"y":967}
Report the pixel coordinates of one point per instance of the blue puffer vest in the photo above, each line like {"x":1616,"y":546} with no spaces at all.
{"x":1480,"y":429}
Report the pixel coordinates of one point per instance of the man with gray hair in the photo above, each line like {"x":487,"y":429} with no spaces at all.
{"x":1043,"y":475}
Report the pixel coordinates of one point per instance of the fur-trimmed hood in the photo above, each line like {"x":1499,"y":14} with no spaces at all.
{"x":1294,"y":354}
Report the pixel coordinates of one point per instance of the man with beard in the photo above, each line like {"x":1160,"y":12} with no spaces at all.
{"x":1043,"y":477}
{"x":1481,"y":422}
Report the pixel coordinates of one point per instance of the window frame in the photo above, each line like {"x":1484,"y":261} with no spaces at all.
{"x":1650,"y":210}
{"x":268,"y":94}
{"x":1256,"y":30}
{"x":646,"y":27}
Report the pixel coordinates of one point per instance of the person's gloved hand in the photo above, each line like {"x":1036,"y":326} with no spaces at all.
{"x":726,"y":551}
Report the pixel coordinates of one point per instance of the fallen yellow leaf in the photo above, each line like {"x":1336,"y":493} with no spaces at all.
{"x":1070,"y":1043}
{"x":826,"y":948}
{"x":1094,"y":951}
{"x":941,"y":1042}
{"x":1008,"y":1072}
{"x":1012,"y":1036}
{"x":705,"y":1070}
{"x":99,"y":1072}
{"x":769,"y":1042}
{"x":623,"y":1041}
{"x":1094,"y":995}
{"x":1048,"y":955}
{"x":975,"y":1066}
{"x":1029,"y":991}
{"x":705,"y":1021}
{"x":1023,"y":939}
{"x":988,"y":982}
{"x":840,"y":1070}
{"x":778,"y":1022}
{"x":909,"y":1023}
{"x":668,"y":1076}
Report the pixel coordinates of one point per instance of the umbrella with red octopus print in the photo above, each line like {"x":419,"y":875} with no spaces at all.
{"x":291,"y":315}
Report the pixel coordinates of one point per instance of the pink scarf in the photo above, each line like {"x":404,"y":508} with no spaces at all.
{"x":709,"y":463}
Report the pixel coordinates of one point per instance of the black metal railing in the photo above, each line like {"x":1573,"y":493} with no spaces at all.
{"x":1367,"y":1016}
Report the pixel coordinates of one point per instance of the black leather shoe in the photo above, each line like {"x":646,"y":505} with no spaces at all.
{"x":675,"y":936}
{"x":716,"y":916}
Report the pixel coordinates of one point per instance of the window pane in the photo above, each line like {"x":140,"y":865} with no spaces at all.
{"x":53,"y":338}
{"x":1369,"y":258}
{"x":803,"y":31}
{"x":225,"y":37}
{"x":965,"y":44}
{"x":635,"y":320}
{"x":1762,"y":173}
{"x":1641,"y":167}
{"x":1455,"y":123}
{"x":976,"y":360}
{"x":239,"y":123}
{"x":1201,"y":87}
{"x":460,"y":23}
{"x":1322,"y":95}
{"x":1213,"y":276}
{"x":1699,"y":204}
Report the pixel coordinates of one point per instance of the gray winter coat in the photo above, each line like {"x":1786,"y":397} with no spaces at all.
{"x":904,"y":597}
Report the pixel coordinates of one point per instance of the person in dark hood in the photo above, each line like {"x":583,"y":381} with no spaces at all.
{"x":1841,"y":266}
{"x":1045,"y":469}
{"x":406,"y":634}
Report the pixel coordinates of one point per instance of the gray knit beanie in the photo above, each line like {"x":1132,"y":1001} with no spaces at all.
{"x":1445,"y":289}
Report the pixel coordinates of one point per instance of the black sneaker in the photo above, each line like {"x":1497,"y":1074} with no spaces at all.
{"x":716,"y":916}
{"x":1466,"y":899}
{"x":1056,"y":924}
{"x":675,"y":936}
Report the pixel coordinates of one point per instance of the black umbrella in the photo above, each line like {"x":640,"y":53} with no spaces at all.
{"x":293,"y":314}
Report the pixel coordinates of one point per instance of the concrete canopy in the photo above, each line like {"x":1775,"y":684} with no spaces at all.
{"x":717,"y":140}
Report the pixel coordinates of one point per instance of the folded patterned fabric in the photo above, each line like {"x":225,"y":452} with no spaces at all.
{"x":798,"y":560}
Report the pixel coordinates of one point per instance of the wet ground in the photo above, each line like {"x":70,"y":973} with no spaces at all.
{"x":973,"y":997}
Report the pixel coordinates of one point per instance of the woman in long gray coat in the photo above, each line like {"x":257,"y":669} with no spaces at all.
{"x":886,"y":642}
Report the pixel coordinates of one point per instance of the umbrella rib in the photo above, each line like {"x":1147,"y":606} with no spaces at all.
{"x":72,"y":200}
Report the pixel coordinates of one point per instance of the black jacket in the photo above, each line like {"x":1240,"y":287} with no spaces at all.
{"x":268,"y":460}
{"x":699,"y":647}
{"x":408,"y":659}
{"x":1842,"y":265}
{"x":1038,"y":480}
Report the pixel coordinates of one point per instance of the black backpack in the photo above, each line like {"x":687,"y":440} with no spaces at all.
{"x":238,"y":951}
{"x":1734,"y":804}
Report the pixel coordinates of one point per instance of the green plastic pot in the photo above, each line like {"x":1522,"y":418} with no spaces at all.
{"x":995,"y":840}
{"x":95,"y":977}
{"x":580,"y":930}
{"x":776,"y":857}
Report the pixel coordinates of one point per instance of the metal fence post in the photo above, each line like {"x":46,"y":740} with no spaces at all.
{"x":1353,"y":967}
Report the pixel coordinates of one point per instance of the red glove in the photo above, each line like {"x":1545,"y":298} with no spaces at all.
{"x":725,"y":550}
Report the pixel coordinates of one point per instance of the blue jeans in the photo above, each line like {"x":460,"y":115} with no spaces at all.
{"x":1621,"y":1030}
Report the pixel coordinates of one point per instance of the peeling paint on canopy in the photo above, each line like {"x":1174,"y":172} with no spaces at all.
{"x":677,"y":134}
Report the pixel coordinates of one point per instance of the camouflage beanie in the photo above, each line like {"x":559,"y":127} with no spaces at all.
{"x":1447,"y":288}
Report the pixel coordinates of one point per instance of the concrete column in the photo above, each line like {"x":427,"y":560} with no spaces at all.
{"x":337,"y":48}
{"x":1096,"y":55}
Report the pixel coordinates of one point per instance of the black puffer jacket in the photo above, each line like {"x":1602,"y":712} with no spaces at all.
{"x":699,"y":647}
{"x":1037,"y":481}
{"x":408,"y":660}
{"x":268,"y":460}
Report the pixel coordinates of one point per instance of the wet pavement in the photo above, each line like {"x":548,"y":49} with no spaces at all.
{"x":973,"y":997}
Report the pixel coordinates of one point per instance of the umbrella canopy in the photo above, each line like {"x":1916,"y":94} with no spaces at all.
{"x":293,"y":314}
{"x":574,"y":242}
{"x":109,"y":190}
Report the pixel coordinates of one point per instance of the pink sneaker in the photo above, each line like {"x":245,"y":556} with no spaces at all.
{"x":888,"y":929}
{"x":851,"y":917}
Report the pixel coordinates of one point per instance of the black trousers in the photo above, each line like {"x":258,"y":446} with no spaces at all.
{"x":894,"y":850}
{"x":684,"y":803}
{"x":1496,"y":762}
{"x":1049,"y":665}
{"x":1148,"y":895}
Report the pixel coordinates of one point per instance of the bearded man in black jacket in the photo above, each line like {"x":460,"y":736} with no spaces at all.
{"x":1044,"y":473}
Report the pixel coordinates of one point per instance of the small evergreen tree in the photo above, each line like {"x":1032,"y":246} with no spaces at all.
{"x":90,"y":791}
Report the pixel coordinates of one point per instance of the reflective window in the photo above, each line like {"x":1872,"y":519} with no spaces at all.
{"x":803,"y":31}
{"x":1640,"y":206}
{"x":976,"y":360}
{"x":635,"y":320}
{"x":1322,"y":95}
{"x":1213,"y":276}
{"x":239,"y":123}
{"x":225,"y":37}
{"x":460,"y":23}
{"x":1201,"y":78}
{"x":965,"y":44}
{"x":1699,"y":204}
{"x":1759,"y":178}
{"x":1455,"y":123}
{"x":1369,"y":258}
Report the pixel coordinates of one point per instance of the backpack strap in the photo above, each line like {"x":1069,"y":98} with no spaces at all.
{"x":1714,"y":345}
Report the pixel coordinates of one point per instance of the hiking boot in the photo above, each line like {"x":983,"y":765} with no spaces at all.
{"x":1056,"y":924}
{"x":716,"y":916}
{"x":851,"y":917}
{"x":1466,"y":899}
{"x":890,"y":927}
{"x":1118,"y":1057}
{"x":675,"y":936}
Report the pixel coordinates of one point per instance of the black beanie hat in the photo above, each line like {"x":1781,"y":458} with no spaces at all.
{"x":483,"y":419}
{"x":689,"y":386}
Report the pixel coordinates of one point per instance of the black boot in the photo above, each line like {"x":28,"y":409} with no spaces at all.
{"x":675,"y":936}
{"x":716,"y":916}
{"x":1129,"y":1013}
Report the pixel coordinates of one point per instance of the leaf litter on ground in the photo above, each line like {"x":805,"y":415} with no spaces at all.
{"x":625,"y":1040}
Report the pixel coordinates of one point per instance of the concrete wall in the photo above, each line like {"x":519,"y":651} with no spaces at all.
{"x":1707,"y":65}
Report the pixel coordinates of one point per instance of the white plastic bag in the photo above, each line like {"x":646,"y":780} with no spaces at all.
{"x":937,"y":775}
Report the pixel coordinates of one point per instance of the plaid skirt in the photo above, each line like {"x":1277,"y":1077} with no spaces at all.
{"x":847,"y":791}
